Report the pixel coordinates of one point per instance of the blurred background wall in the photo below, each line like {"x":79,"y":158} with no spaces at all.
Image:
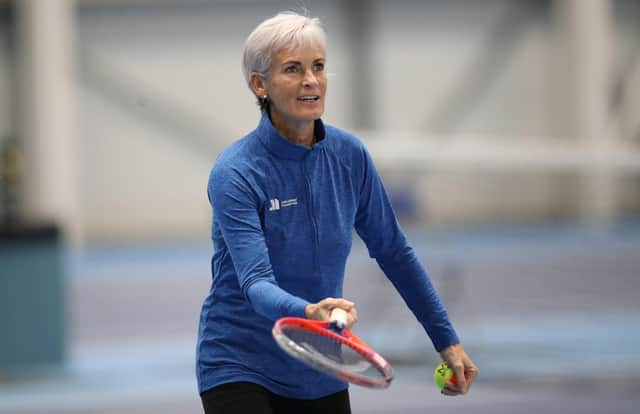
{"x":147,"y":93}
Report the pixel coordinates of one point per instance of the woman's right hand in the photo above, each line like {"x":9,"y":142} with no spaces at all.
{"x":321,"y":311}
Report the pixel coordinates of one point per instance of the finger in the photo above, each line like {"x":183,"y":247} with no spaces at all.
{"x":323,"y":309}
{"x":470,"y":375}
{"x":344,"y":304}
{"x":461,"y":381}
{"x":354,"y":313}
{"x":330,"y":303}
{"x":449,"y":391}
{"x":327,"y":303}
{"x":352,"y":318}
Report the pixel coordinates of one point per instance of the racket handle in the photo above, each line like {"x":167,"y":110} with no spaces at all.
{"x":338,"y":318}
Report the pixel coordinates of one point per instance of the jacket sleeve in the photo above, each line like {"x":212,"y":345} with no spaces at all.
{"x":376,"y":224}
{"x":235,"y":207}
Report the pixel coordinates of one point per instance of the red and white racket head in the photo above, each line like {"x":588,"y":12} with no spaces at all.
{"x":329,"y":348}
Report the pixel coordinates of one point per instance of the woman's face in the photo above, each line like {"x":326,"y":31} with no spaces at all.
{"x":297,"y":84}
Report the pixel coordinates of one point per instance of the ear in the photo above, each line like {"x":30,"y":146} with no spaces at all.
{"x":258,"y":84}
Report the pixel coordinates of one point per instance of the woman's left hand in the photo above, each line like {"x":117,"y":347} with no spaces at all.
{"x":463,"y":368}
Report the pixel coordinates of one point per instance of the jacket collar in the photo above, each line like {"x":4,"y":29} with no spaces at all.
{"x":282,"y":147}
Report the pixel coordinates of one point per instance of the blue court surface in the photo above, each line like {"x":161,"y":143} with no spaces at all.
{"x":550,"y":314}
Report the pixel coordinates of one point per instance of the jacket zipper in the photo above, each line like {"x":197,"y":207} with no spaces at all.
{"x":315,"y":240}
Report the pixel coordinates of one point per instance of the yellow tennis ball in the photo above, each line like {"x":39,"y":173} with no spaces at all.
{"x":443,"y":374}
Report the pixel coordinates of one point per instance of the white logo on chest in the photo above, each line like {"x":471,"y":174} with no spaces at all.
{"x":275,"y":204}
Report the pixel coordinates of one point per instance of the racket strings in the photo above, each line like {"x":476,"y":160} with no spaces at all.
{"x":319,"y":349}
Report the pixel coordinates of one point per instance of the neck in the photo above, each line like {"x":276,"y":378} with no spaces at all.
{"x":298,"y":132}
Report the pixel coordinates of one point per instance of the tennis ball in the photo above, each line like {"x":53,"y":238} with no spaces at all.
{"x":443,"y":374}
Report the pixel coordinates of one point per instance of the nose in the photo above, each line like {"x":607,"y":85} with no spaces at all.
{"x":310,"y":80}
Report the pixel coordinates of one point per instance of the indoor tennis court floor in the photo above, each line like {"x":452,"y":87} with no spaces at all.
{"x":549,"y":313}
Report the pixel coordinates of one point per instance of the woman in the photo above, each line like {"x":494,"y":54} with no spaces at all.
{"x":285,"y":199}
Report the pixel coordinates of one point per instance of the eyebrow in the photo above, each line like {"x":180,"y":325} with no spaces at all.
{"x":297,"y":62}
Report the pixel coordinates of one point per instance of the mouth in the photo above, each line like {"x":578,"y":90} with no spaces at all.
{"x":309,"y":98}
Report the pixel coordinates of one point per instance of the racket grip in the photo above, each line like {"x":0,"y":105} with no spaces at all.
{"x":338,"y":318}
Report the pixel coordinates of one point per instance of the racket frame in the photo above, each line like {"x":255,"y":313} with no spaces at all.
{"x":346,"y":338}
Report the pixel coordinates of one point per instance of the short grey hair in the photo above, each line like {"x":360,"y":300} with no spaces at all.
{"x":285,"y":30}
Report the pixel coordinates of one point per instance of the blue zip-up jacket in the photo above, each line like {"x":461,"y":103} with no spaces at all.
{"x":282,"y":228}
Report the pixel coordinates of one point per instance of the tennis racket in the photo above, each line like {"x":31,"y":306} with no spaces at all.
{"x":332,"y":349}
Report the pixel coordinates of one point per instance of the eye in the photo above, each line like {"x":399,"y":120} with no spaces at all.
{"x":318,"y":66}
{"x":291,"y":69}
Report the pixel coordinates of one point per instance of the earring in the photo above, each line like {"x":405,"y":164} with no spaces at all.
{"x":264,"y":97}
